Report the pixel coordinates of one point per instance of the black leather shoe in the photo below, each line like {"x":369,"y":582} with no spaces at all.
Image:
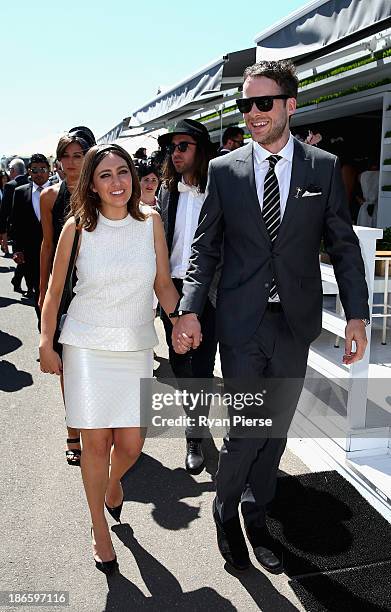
{"x":16,"y":286}
{"x":195,"y":460}
{"x":265,"y":549}
{"x":231,"y":542}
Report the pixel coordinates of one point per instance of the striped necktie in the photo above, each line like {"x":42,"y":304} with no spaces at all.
{"x":271,"y":207}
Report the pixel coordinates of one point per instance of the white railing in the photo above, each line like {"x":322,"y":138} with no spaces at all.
{"x":354,"y":378}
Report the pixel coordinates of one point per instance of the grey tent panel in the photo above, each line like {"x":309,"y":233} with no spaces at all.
{"x":192,"y":94}
{"x":112,"y":135}
{"x":327,"y":27}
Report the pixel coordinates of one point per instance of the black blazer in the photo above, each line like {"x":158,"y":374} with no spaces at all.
{"x":25,"y":229}
{"x":8,"y":195}
{"x":232,"y":212}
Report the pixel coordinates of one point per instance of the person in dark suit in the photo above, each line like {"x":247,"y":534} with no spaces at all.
{"x":25,"y":223}
{"x":18,"y":176}
{"x":271,"y":201}
{"x":180,"y":200}
{"x":232,"y":139}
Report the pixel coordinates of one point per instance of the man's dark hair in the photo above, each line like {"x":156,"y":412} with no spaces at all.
{"x":38,"y":158}
{"x":232,"y":132}
{"x":283,"y":72}
{"x":170,"y":176}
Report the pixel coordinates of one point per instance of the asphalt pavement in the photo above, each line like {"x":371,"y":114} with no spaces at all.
{"x":166,"y":546}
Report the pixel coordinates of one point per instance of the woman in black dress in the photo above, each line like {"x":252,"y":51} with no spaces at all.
{"x":54,"y":204}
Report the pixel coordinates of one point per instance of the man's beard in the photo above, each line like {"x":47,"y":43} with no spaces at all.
{"x":275,"y":134}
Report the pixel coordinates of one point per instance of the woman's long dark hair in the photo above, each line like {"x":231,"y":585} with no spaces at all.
{"x":85,"y":204}
{"x":170,"y":176}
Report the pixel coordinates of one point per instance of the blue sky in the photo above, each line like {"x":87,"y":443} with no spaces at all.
{"x":92,"y":62}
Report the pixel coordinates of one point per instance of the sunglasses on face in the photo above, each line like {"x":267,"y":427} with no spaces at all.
{"x":39,"y":170}
{"x":263,"y":103}
{"x":182,"y":146}
{"x":240,"y":143}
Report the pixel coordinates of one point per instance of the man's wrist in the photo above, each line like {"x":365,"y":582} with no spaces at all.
{"x":181,"y":313}
{"x":365,"y":321}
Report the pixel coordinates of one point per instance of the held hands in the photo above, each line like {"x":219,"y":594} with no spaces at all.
{"x":50,"y":361}
{"x":355,"y":330}
{"x":186,"y":333}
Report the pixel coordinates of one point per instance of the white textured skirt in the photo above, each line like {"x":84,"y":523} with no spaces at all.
{"x":102,"y":388}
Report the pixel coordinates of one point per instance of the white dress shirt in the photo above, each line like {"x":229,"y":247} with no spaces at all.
{"x":283,"y":170}
{"x":189,"y":207}
{"x":36,"y":194}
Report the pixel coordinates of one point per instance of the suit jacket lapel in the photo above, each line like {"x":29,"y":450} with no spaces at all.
{"x":245,"y":169}
{"x":300,"y":167}
{"x":173,"y":198}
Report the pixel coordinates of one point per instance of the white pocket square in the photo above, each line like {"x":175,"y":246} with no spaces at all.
{"x":308,"y":194}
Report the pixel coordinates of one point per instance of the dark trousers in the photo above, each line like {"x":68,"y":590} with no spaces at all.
{"x":199,"y":363}
{"x":31,"y":273}
{"x":18,"y":275}
{"x":248,"y":465}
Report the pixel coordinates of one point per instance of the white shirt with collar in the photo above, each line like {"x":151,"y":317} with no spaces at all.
{"x":186,"y":222}
{"x":283,"y":170}
{"x":35,"y":196}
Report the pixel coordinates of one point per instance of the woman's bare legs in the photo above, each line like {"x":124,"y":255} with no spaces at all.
{"x":95,"y":461}
{"x":72,"y":432}
{"x":128,"y":443}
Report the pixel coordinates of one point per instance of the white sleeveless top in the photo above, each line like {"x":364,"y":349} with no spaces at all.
{"x":116,"y":269}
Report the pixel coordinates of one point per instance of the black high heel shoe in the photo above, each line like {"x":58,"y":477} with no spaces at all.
{"x":115,"y":512}
{"x":73,"y":455}
{"x":107,"y":567}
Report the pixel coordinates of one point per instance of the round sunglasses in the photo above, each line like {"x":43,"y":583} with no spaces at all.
{"x":263,"y":103}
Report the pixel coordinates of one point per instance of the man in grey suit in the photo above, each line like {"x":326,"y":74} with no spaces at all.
{"x":269,"y":204}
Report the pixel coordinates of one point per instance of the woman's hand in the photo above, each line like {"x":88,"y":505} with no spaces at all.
{"x":50,"y":361}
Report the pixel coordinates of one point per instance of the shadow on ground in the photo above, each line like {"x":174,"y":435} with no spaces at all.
{"x":12,"y":379}
{"x":167,"y":593}
{"x":151,"y":482}
{"x":8,"y":343}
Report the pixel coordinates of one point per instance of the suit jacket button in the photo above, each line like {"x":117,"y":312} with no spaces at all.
{"x":266,"y":285}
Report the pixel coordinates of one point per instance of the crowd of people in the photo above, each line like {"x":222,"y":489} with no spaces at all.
{"x":228,"y":242}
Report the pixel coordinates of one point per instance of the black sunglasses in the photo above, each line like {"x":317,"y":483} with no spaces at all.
{"x":182,"y":146}
{"x":39,"y":170}
{"x":263,"y":103}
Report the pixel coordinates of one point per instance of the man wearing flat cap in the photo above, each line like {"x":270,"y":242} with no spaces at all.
{"x":188,"y":151}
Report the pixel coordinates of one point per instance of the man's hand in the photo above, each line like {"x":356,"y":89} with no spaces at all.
{"x":355,"y":330}
{"x":186,"y":333}
{"x":18,"y":257}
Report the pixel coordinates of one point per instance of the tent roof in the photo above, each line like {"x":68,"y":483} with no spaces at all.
{"x":321,"y":27}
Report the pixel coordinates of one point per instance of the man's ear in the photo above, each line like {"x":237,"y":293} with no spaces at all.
{"x":292,"y":104}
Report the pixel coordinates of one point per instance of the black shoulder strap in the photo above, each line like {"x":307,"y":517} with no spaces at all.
{"x":67,"y":292}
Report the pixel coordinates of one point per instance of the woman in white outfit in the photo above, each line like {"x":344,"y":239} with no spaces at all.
{"x":109,"y":333}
